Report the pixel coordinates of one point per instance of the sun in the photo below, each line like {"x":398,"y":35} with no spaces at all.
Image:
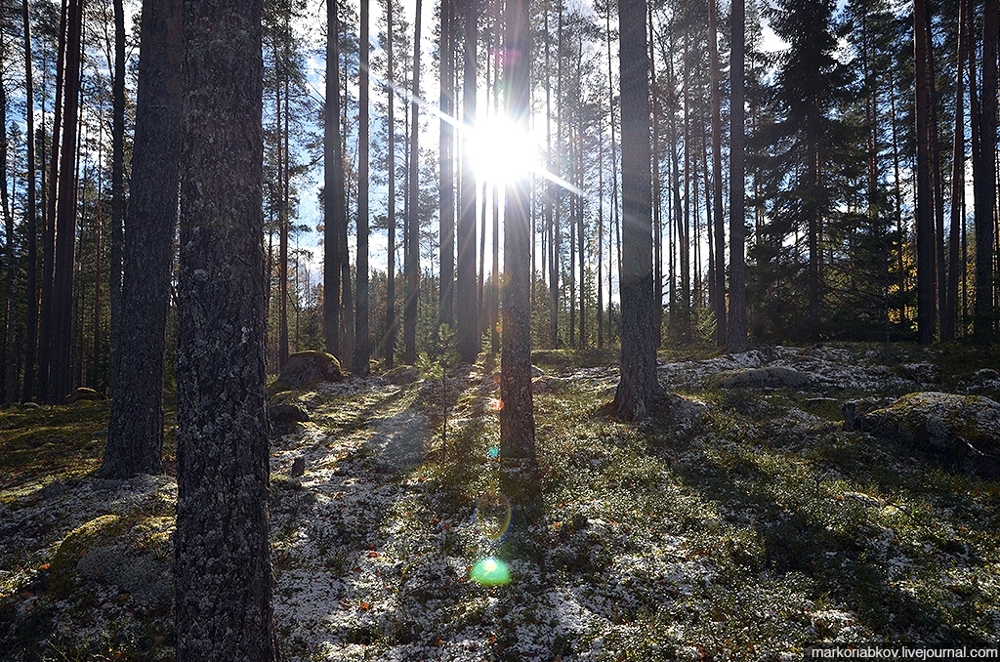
{"x":502,"y":151}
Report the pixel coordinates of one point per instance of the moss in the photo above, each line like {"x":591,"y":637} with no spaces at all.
{"x":98,"y":531}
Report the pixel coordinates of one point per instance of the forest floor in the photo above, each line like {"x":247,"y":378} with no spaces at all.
{"x":745,"y":527}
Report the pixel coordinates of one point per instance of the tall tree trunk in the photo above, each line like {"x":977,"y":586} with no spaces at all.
{"x":736,"y":336}
{"x":117,"y":191}
{"x":362,"y":344}
{"x":334,"y":196}
{"x":638,"y":389}
{"x":60,"y":370}
{"x":282,"y":205}
{"x":135,"y":430}
{"x":985,"y":176}
{"x":520,"y":479}
{"x":46,"y":345}
{"x":465,"y":287}
{"x":8,"y":373}
{"x":390,"y":288}
{"x":949,"y":314}
{"x":222,"y":565}
{"x":719,"y":298}
{"x":32,"y":217}
{"x":600,"y":232}
{"x":446,"y":164}
{"x":925,"y":203}
{"x":411,"y":263}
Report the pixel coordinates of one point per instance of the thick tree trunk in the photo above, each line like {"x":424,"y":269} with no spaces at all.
{"x":222,"y":557}
{"x":736,"y":336}
{"x":465,"y":287}
{"x":135,"y":430}
{"x":638,"y":389}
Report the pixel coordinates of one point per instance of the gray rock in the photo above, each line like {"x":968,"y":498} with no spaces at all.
{"x":304,"y":368}
{"x":285,"y":417}
{"x":960,"y":431}
{"x":772,"y":376}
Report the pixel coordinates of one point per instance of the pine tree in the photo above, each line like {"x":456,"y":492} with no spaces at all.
{"x":135,"y":430}
{"x":222,"y":566}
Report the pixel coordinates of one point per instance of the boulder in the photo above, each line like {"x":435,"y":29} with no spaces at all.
{"x":285,"y":417}
{"x":961,"y":431}
{"x":84,"y":393}
{"x":772,"y":376}
{"x":403,"y":374}
{"x":302,"y":368}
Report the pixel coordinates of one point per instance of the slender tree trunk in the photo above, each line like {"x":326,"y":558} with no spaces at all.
{"x":49,"y":220}
{"x":117,"y":191}
{"x":412,"y":258}
{"x":600,"y":233}
{"x":390,"y":288}
{"x":135,"y":430}
{"x":638,"y":390}
{"x":221,"y":545}
{"x":465,"y":287}
{"x":985,"y":176}
{"x":61,"y":375}
{"x":32,"y":217}
{"x":334,"y":196}
{"x":949,"y":314}
{"x":520,"y":478}
{"x":925,"y":203}
{"x":282,"y":204}
{"x":362,"y":344}
{"x":8,"y":374}
{"x":719,"y":299}
{"x":446,"y":307}
{"x":736,"y":336}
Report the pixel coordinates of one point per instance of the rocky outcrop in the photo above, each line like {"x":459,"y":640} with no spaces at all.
{"x":304,"y":368}
{"x":770,"y":376}
{"x":960,"y":431}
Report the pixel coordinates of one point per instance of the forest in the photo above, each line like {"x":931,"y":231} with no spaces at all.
{"x":498,"y":329}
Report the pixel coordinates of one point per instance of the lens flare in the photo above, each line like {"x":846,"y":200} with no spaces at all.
{"x":493,"y":452}
{"x":493,"y":514}
{"x":490,"y":571}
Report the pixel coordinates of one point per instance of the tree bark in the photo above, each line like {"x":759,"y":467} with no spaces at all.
{"x":135,"y":429}
{"x":411,"y":262}
{"x":446,"y":302}
{"x":949,"y":314}
{"x":222,"y":557}
{"x":32,"y":216}
{"x":925,"y":203}
{"x":117,"y":191}
{"x":638,"y":390}
{"x":390,"y":288}
{"x":334,"y":195}
{"x":465,"y":287}
{"x":736,"y":336}
{"x":985,"y":177}
{"x":520,"y":480}
{"x":362,"y":343}
{"x":719,"y":298}
{"x":60,"y":368}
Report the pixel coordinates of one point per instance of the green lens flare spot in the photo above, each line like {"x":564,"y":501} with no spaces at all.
{"x":493,"y":452}
{"x":490,"y":571}
{"x":493,"y":514}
